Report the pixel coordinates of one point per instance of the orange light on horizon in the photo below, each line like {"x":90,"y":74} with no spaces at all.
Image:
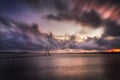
{"x":113,"y":50}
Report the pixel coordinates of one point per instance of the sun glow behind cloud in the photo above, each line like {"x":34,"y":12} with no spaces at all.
{"x":65,"y":29}
{"x":89,"y":32}
{"x":61,"y":24}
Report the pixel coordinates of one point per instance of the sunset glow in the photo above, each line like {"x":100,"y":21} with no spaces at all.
{"x":60,"y":24}
{"x":113,"y":50}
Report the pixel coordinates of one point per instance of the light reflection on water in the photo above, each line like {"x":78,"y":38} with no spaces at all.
{"x":62,"y":67}
{"x":73,"y":66}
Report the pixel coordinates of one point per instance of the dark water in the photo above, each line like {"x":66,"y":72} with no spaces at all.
{"x":62,"y":67}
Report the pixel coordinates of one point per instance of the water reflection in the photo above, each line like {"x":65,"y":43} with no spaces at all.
{"x":74,"y":66}
{"x":112,"y":67}
{"x":67,"y":67}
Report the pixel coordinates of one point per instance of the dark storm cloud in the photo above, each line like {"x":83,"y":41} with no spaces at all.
{"x":86,"y":12}
{"x":4,"y":21}
{"x":88,"y":18}
{"x":23,"y":36}
{"x":94,"y":44}
{"x":115,"y":43}
{"x":112,"y":28}
{"x":20,"y":35}
{"x":62,"y":17}
{"x":115,"y":2}
{"x":23,"y":27}
{"x":88,"y":44}
{"x":109,"y":44}
{"x":59,"y":5}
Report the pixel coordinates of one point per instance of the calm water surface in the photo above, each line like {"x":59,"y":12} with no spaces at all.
{"x":62,"y":67}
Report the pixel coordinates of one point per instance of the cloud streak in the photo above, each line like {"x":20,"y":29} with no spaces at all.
{"x":93,"y":14}
{"x":24,"y":36}
{"x":88,"y":13}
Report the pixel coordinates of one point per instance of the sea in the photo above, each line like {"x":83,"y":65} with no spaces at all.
{"x":60,"y":67}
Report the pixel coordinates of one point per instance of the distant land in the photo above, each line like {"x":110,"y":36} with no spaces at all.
{"x":24,"y":54}
{"x":33,"y":52}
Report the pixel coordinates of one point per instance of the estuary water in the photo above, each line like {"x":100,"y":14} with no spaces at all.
{"x":62,"y":67}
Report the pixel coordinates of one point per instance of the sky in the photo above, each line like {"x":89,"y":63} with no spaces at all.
{"x":88,"y":25}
